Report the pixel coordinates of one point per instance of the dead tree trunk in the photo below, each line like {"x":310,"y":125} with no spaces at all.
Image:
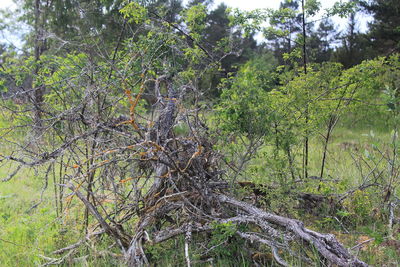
{"x":38,"y":90}
{"x":189,"y":191}
{"x":188,"y":187}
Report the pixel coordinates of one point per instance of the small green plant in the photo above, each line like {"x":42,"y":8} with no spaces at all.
{"x":225,"y":246}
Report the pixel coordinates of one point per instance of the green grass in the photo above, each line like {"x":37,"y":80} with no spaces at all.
{"x":363,"y":214}
{"x":26,"y":233}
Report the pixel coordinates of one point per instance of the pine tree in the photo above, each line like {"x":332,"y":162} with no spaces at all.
{"x":385,"y":29}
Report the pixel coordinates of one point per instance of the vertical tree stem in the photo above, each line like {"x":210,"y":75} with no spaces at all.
{"x":305,"y":167}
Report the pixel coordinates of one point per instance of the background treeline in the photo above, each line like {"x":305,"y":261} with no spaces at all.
{"x":59,"y":27}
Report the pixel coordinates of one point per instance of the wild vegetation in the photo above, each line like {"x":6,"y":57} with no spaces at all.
{"x":156,"y":133}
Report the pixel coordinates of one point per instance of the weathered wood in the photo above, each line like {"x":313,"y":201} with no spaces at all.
{"x":186,"y":172}
{"x":326,"y":244}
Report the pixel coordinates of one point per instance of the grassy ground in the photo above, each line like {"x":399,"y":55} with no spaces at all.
{"x":27,"y":233}
{"x":363,"y":216}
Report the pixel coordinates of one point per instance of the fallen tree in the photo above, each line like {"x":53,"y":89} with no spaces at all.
{"x":188,"y":194}
{"x":184,"y":185}
{"x":189,"y":188}
{"x":168,"y":184}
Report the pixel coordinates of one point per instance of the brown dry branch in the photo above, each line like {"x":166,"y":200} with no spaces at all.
{"x":181,"y":190}
{"x":188,"y":191}
{"x":137,"y":171}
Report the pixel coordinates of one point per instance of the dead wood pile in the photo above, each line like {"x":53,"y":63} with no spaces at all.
{"x":185,"y":193}
{"x":189,"y":195}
